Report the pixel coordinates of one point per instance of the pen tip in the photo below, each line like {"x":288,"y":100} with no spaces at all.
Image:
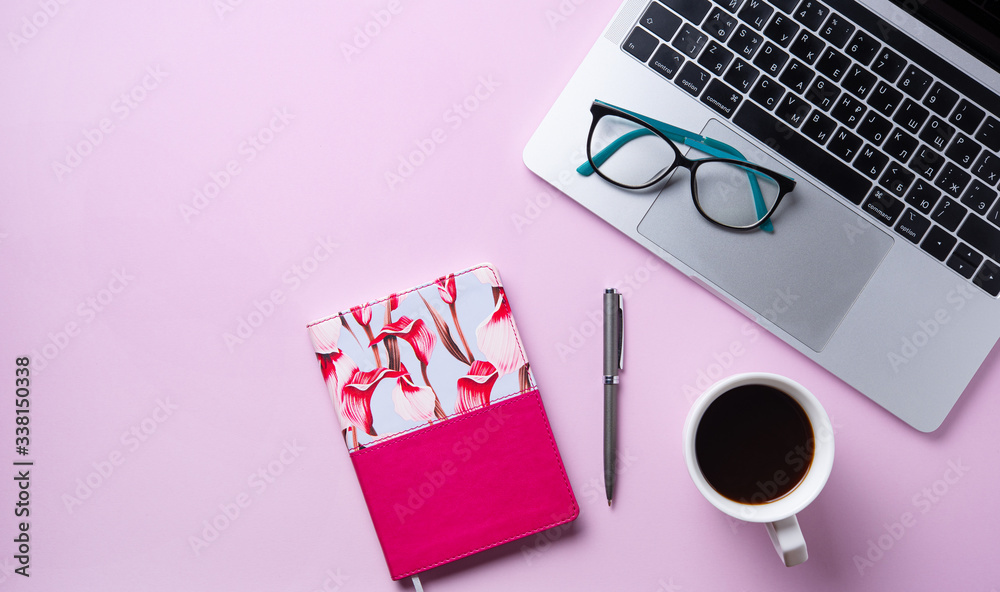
{"x":609,"y":502}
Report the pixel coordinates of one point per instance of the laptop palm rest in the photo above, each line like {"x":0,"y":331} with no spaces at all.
{"x":804,"y":277}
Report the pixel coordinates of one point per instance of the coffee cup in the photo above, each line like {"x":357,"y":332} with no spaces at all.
{"x":759,"y":447}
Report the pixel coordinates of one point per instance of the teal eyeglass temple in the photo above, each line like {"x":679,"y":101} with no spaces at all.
{"x":701,"y":143}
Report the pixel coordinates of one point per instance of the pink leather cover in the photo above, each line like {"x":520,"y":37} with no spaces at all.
{"x":460,"y":486}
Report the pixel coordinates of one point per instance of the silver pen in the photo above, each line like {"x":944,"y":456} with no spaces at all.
{"x":613,"y":342}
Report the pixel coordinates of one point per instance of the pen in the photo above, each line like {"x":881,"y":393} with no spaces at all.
{"x":613,"y":330}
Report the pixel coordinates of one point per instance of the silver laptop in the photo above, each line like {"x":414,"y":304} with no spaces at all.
{"x":883,"y":264}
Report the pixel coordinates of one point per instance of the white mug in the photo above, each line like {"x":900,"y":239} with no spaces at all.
{"x":779,"y":514}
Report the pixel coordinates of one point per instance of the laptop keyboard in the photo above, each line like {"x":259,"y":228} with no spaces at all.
{"x":879,"y":118}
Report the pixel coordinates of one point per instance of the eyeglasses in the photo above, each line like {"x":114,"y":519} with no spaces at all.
{"x":634,"y":152}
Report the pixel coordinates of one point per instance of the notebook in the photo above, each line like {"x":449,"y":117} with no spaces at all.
{"x":884,"y":265}
{"x":443,"y":421}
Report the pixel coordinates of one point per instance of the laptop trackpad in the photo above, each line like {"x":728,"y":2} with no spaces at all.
{"x":803,"y":277}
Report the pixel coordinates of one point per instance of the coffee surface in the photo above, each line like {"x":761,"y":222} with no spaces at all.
{"x":754,"y":444}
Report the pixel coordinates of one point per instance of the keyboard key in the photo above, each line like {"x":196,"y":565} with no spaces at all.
{"x":836,"y":30}
{"x":989,"y":134}
{"x":781,"y":30}
{"x":792,"y":109}
{"x":927,"y":162}
{"x":979,"y":197}
{"x":937,"y":133}
{"x":874,"y":128}
{"x":741,"y":75}
{"x":882,"y":206}
{"x":949,"y":214}
{"x":870,"y":161}
{"x":811,"y":13}
{"x":660,"y":21}
{"x":988,"y":278}
{"x":796,"y":76}
{"x":807,"y":46}
{"x":767,"y":92}
{"x":715,"y":58}
{"x":885,"y":99}
{"x":692,"y":10}
{"x":770,"y":59}
{"x":756,"y":13}
{"x":963,"y":267}
{"x":888,"y":64}
{"x":897,"y":178}
{"x":982,"y":235}
{"x":840,"y":177}
{"x":953,"y":179}
{"x":845,"y":144}
{"x":823,"y":94}
{"x":745,"y":42}
{"x":859,"y":81}
{"x":833,"y":64}
{"x":690,"y":41}
{"x":666,"y":62}
{"x":912,"y":225}
{"x":900,"y":145}
{"x":914,"y":82}
{"x":640,"y":44}
{"x":863,"y":47}
{"x":923,"y":196}
{"x":719,"y":24}
{"x":994,"y":216}
{"x":941,"y":99}
{"x":848,"y":111}
{"x":786,"y":5}
{"x":692,"y":78}
{"x":910,"y":116}
{"x":819,"y":127}
{"x":968,"y":254}
{"x":967,"y":116}
{"x":938,"y":243}
{"x":987,"y":168}
{"x":963,"y":150}
{"x":721,"y":97}
{"x":730,"y":5}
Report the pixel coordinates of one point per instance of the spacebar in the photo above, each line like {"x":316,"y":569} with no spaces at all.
{"x":798,"y":149}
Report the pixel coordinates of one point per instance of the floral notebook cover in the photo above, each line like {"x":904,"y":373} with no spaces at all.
{"x":443,"y":421}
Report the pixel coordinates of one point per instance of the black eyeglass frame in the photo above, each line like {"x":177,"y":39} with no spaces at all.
{"x":600,"y":110}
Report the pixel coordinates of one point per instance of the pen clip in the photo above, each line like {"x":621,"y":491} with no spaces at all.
{"x":621,"y":331}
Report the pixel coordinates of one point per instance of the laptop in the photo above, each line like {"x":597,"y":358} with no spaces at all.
{"x":883,"y":265}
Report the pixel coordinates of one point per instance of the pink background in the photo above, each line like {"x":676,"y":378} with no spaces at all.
{"x":124,"y":306}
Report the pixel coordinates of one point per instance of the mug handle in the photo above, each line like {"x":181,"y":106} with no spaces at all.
{"x":788,"y":540}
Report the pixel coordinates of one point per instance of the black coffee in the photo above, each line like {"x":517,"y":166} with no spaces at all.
{"x":754,"y":444}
